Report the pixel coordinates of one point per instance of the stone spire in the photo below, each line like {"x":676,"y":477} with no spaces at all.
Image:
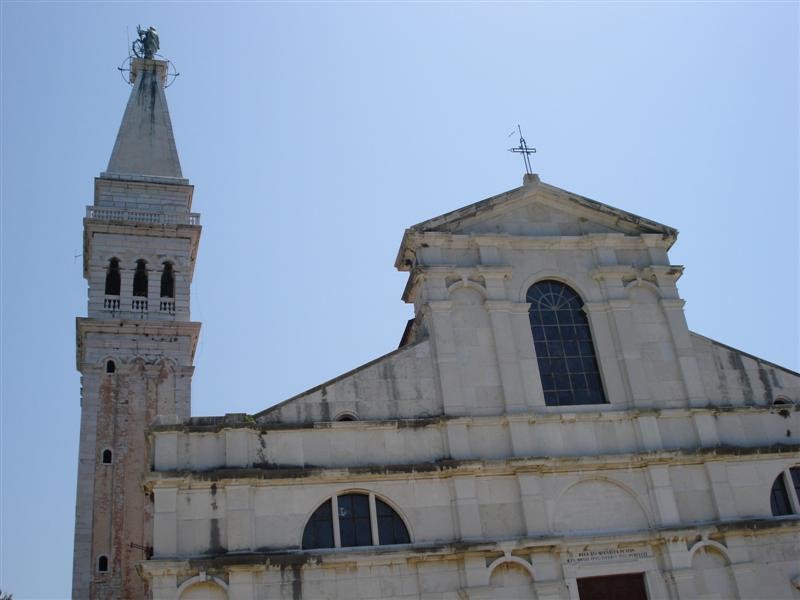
{"x":145,"y":143}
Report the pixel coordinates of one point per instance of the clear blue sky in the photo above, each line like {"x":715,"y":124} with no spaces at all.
{"x":316,"y":133}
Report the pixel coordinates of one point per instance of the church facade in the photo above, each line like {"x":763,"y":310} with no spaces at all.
{"x":548,"y":428}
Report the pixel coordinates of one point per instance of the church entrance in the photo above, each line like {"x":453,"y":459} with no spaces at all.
{"x":613,"y":587}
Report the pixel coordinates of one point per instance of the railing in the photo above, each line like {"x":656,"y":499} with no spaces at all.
{"x":111,"y":303}
{"x":167,"y":305}
{"x":142,"y":216}
{"x":140,"y":306}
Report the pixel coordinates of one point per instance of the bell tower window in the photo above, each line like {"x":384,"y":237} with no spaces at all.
{"x":112,"y":278}
{"x":168,"y":281}
{"x":140,"y":279}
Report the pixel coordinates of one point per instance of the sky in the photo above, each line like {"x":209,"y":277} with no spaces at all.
{"x":315,"y":133}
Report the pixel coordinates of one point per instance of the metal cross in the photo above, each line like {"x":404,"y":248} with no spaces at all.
{"x":524,"y":150}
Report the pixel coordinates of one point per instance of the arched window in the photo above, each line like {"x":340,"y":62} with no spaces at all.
{"x":110,"y":367}
{"x":140,"y":279}
{"x":564,"y":348}
{"x":168,"y":281}
{"x":112,"y":278}
{"x":347,"y":416}
{"x":102,"y":563}
{"x":355,"y":514}
{"x":107,"y":456}
{"x":784,"y":498}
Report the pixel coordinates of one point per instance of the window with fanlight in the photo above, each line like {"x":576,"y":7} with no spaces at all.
{"x":565,"y":352}
{"x":354,"y":519}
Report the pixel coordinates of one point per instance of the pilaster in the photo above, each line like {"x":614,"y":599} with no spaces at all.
{"x":466,"y":505}
{"x":601,"y":326}
{"x":165,"y":522}
{"x":443,"y":339}
{"x":508,"y":361}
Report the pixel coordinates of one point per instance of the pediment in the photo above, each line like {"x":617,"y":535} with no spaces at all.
{"x":538,"y":209}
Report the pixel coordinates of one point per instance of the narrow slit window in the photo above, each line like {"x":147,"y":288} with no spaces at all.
{"x":111,"y":367}
{"x":168,"y":281}
{"x":562,"y":339}
{"x":102,"y":564}
{"x":113,"y":280}
{"x":107,"y":456}
{"x":140,"y":279}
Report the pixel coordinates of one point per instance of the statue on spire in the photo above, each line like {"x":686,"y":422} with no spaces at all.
{"x":147,"y":44}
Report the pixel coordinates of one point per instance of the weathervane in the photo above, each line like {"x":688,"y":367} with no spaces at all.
{"x":524,"y":150}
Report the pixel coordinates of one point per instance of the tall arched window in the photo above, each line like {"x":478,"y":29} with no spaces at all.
{"x":784,"y":498}
{"x":113,"y":278}
{"x":362,"y":519}
{"x":168,"y":281}
{"x":140,"y":279}
{"x":564,"y":348}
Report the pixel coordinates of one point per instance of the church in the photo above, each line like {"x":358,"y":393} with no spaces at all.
{"x":548,"y":427}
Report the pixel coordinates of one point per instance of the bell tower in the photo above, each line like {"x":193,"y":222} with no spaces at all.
{"x":135,"y":349}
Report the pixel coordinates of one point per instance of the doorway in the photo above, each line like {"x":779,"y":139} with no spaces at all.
{"x":629,"y":586}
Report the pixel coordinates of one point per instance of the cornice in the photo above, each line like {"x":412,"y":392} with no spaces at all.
{"x":449,"y":468}
{"x":85,"y":325}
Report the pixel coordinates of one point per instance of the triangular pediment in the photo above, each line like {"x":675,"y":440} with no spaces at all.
{"x":539,"y":209}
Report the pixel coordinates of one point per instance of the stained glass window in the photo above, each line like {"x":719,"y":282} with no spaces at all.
{"x":564,"y":349}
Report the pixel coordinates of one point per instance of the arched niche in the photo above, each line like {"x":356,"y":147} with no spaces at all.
{"x":712,"y":574}
{"x":511,"y":579}
{"x":599,"y":505}
{"x":203,"y":587}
